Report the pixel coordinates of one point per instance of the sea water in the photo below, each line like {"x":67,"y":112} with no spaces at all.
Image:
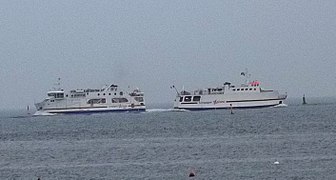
{"x":293,"y":142}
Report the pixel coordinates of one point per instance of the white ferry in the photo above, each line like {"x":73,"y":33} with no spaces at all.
{"x":107,"y":99}
{"x":248,"y":95}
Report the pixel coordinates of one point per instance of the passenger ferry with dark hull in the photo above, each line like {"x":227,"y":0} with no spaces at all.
{"x":248,"y":95}
{"x":107,"y":99}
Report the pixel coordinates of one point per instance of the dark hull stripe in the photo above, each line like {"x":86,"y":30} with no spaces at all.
{"x":189,"y":103}
{"x":250,"y":107}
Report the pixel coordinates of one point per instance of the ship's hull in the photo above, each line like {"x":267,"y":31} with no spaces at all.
{"x":89,"y":110}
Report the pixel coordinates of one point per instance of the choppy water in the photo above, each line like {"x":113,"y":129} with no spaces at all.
{"x":163,"y":144}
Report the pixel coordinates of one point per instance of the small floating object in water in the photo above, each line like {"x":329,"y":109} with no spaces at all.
{"x":304,"y":100}
{"x":276,"y":162}
{"x":192,"y":174}
{"x":28,"y":109}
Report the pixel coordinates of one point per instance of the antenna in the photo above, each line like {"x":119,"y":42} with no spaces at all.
{"x":173,"y":87}
{"x":246,"y":75}
{"x":57,"y":85}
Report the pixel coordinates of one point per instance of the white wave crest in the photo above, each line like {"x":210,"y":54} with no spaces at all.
{"x":281,"y":105}
{"x":42,"y":113}
{"x":166,"y":110}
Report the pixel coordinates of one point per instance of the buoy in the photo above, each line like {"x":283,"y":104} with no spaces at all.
{"x":304,"y":100}
{"x":28,"y":109}
{"x":192,"y":174}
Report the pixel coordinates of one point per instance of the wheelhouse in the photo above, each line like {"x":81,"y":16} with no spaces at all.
{"x":56,"y":94}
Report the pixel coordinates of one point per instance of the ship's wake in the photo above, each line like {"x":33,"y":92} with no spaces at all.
{"x":40,"y":113}
{"x":281,"y":105}
{"x":166,"y":110}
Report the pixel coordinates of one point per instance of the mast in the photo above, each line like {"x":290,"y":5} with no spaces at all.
{"x":57,"y":85}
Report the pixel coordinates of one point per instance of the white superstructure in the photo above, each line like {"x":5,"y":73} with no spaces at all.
{"x":107,"y":99}
{"x":248,"y":95}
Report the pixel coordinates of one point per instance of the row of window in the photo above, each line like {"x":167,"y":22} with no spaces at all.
{"x":103,"y":100}
{"x":189,"y":98}
{"x":97,"y":101}
{"x":56,"y":95}
{"x":121,"y":94}
{"x":245,"y":89}
{"x":83,"y":95}
{"x":78,"y":95}
{"x":139,"y":99}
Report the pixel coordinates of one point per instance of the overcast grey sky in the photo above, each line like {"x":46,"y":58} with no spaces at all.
{"x":152,"y":44}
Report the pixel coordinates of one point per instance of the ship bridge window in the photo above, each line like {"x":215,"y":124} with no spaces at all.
{"x":59,"y":95}
{"x":196,"y":98}
{"x":56,"y":95}
{"x":121,"y":93}
{"x":187,"y":98}
{"x":233,"y":89}
{"x":181,"y":99}
{"x":97,"y":101}
{"x":119,"y":100}
{"x":139,"y":99}
{"x":51,"y":94}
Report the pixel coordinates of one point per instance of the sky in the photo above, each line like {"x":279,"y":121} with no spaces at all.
{"x":153,"y":44}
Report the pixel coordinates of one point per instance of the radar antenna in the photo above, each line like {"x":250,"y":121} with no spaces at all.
{"x":246,"y":75}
